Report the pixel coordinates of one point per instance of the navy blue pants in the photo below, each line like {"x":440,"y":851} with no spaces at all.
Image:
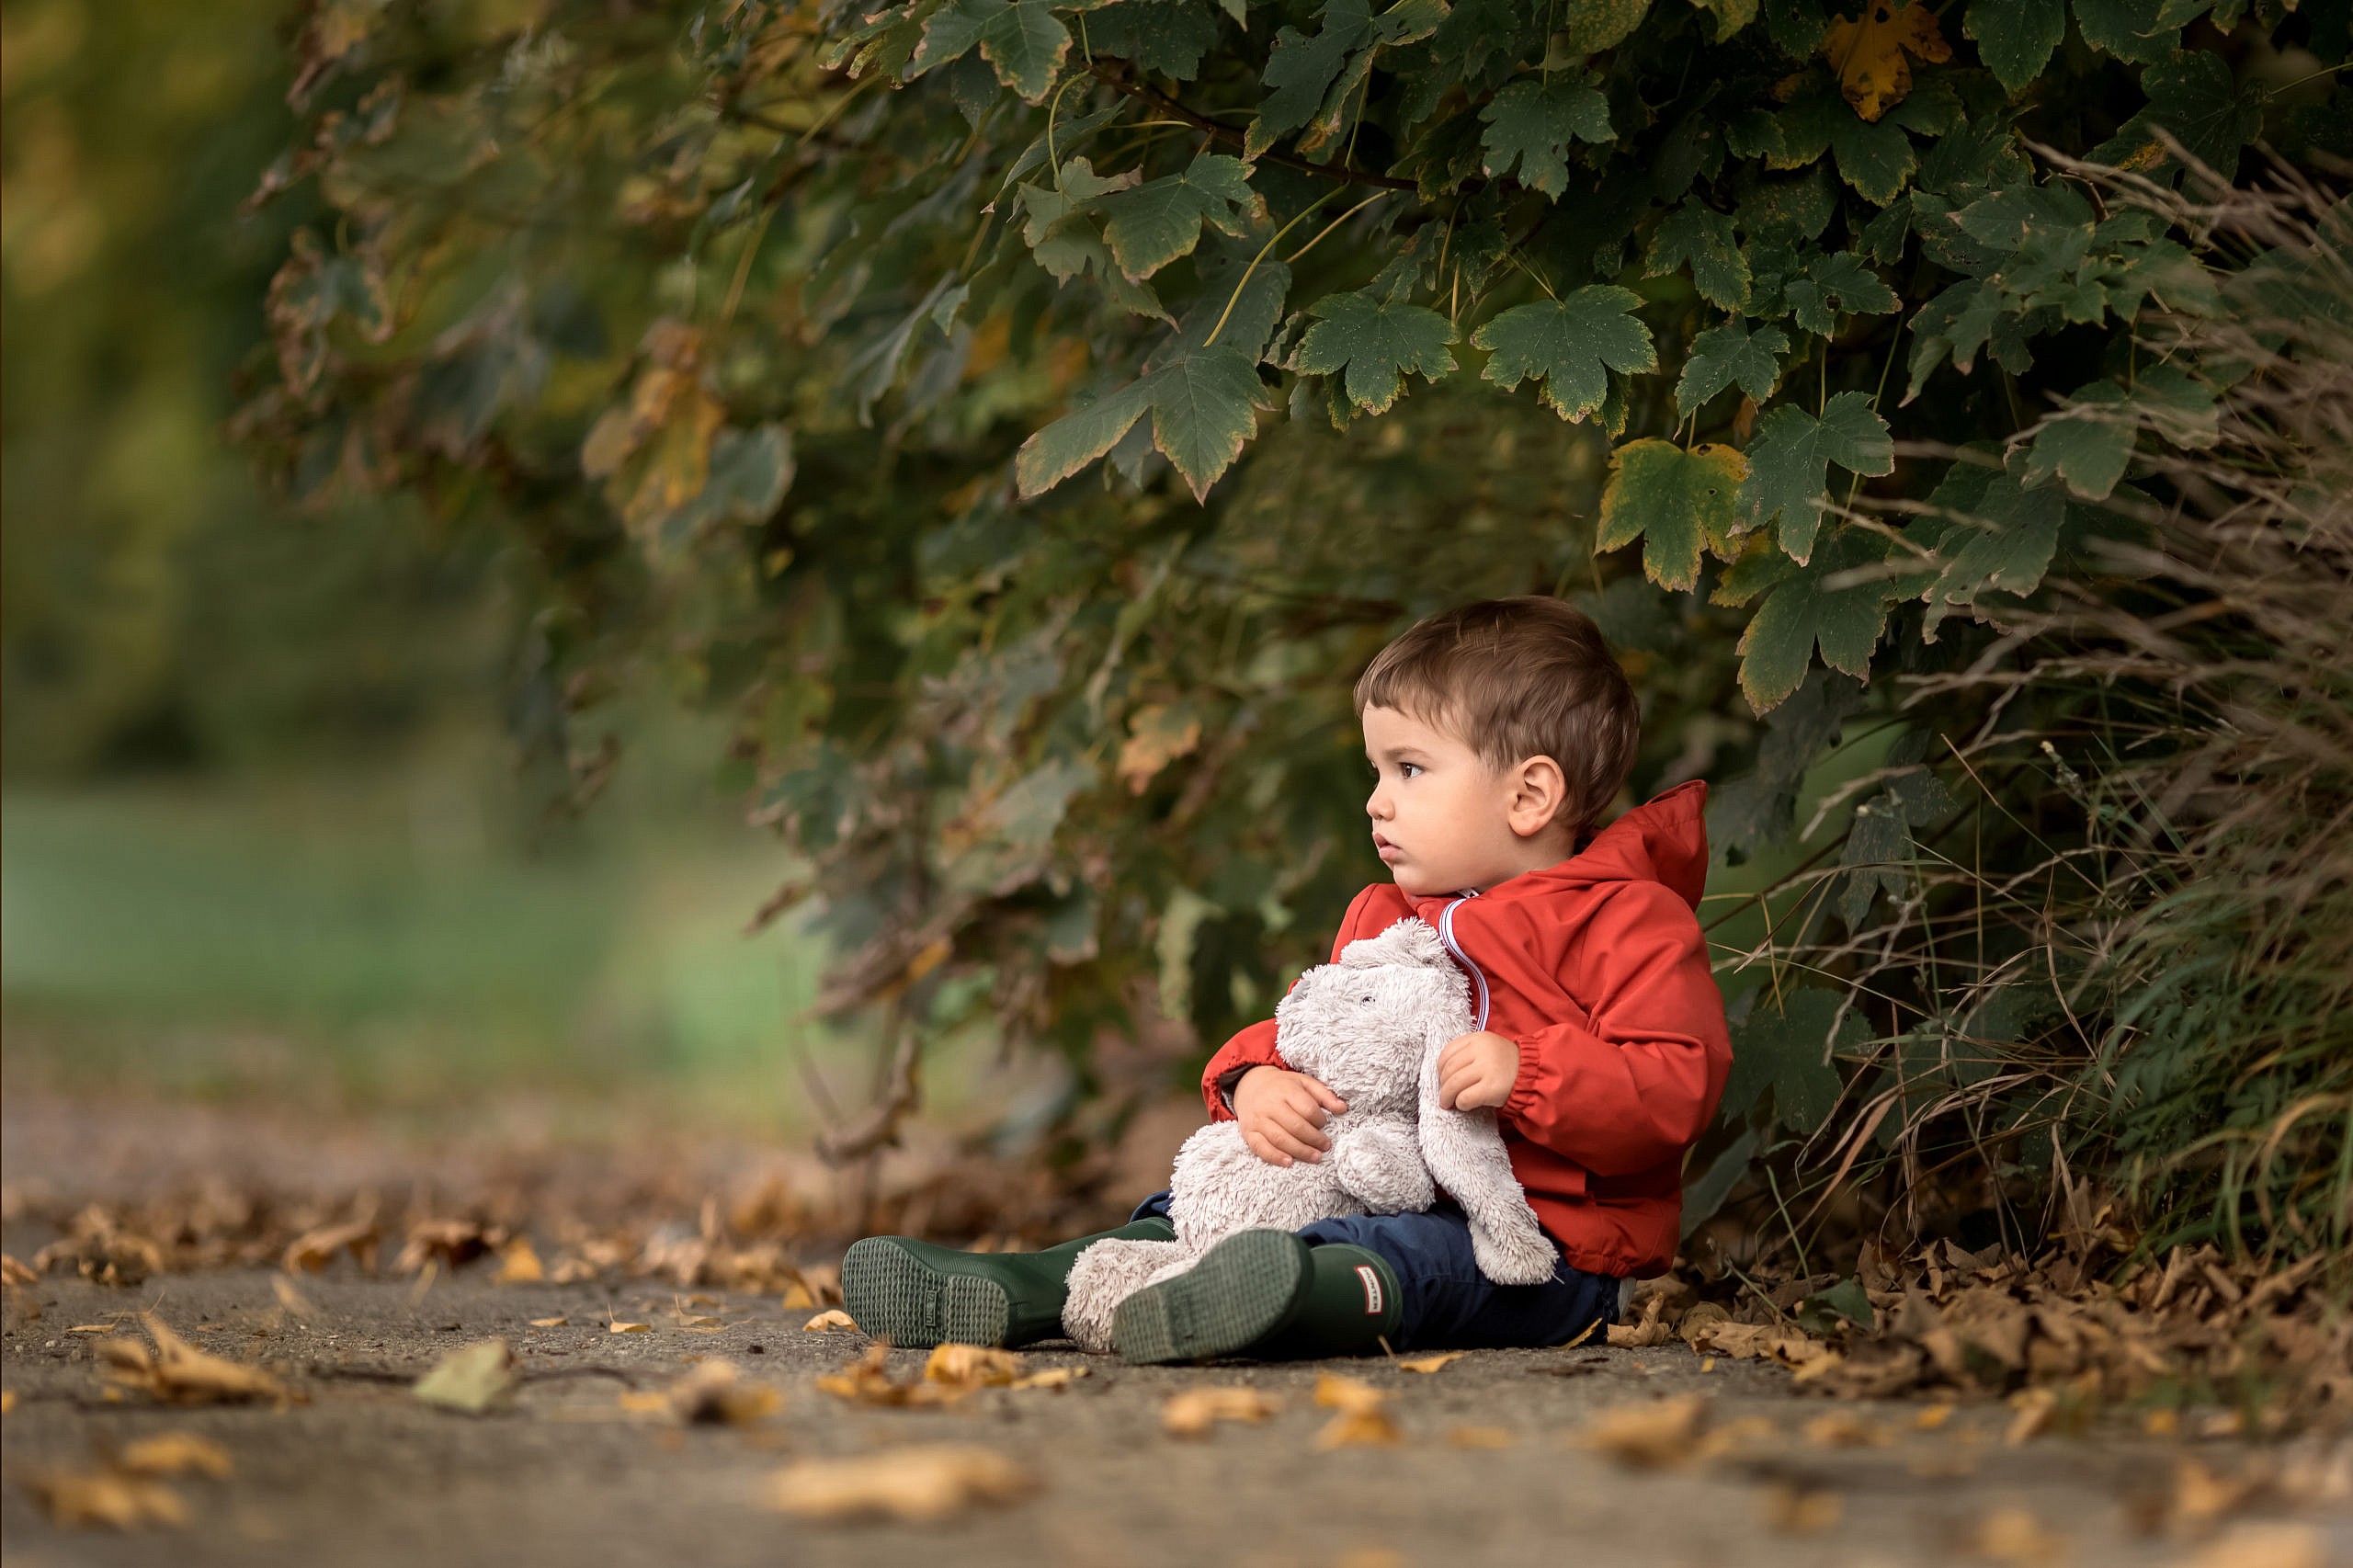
{"x":1449,"y":1304}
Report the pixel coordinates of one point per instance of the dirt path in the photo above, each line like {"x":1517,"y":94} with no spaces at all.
{"x":359,"y":1473}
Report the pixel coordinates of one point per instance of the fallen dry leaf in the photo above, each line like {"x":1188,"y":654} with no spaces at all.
{"x":1732,"y":1436}
{"x":798,"y":1296}
{"x":1194,"y":1412}
{"x":919,"y":1483}
{"x":1933,"y":1418}
{"x":292,"y":1299}
{"x":1868,"y":55}
{"x":1795,"y":1512}
{"x":471,"y":1378}
{"x":1479,"y":1437}
{"x":7,"y":1401}
{"x":715,"y":1392}
{"x":615,"y":1325}
{"x":1428,"y":1363}
{"x":313,"y":1250}
{"x":174,"y":1453}
{"x":967,"y":1367}
{"x":107,"y":1497}
{"x":867,"y":1380}
{"x":1845,"y":1429}
{"x":519,"y":1264}
{"x":1362,"y":1421}
{"x":93,"y":1328}
{"x":177,"y":1372}
{"x":1052,"y":1378}
{"x":2016,"y":1536}
{"x":2264,"y":1546}
{"x":14,"y":1272}
{"x":1662,"y":1432}
{"x":2034,"y":1407}
{"x":1638,"y":1335}
{"x":829,"y":1320}
{"x":550,"y":1323}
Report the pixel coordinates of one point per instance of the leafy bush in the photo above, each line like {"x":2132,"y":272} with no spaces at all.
{"x":1027,"y":417}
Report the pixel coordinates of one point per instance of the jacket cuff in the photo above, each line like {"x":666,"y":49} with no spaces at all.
{"x":1523,"y":1100}
{"x":1232,"y":1076}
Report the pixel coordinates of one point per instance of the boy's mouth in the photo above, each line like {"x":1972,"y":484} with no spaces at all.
{"x":1390,"y":854}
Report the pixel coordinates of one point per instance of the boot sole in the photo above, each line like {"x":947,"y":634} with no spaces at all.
{"x":892,"y":1294}
{"x":1239,"y":1292}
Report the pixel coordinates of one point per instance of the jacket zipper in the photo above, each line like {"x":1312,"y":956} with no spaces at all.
{"x":1446,"y":933}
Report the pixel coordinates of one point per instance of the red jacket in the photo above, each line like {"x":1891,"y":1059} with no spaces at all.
{"x":1597,"y":967}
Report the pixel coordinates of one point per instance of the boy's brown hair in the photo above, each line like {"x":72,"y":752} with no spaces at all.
{"x":1515,"y":678}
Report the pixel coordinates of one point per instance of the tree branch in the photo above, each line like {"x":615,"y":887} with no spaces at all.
{"x":1161,"y":101}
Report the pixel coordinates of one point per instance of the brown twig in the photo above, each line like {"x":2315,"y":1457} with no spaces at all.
{"x":879,"y":1125}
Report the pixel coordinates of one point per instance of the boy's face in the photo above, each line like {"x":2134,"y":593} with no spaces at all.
{"x":1442,"y":819}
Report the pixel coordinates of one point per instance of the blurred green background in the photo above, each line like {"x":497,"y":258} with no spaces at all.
{"x":265,"y":834}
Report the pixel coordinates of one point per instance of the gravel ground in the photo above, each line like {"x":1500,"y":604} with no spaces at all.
{"x":357,"y":1471}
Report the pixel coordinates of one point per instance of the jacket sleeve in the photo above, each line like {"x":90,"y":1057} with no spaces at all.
{"x":1635,"y":1085}
{"x":1254,"y":1046}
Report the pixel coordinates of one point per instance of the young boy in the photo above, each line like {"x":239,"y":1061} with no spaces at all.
{"x":1498,"y":734}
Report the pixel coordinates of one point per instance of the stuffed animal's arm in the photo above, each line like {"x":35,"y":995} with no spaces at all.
{"x":1380,"y":1163}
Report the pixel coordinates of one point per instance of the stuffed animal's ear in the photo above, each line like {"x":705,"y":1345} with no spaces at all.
{"x":1408,"y":941}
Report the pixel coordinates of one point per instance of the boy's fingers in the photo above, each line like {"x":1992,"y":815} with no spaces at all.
{"x":1305,"y":1131}
{"x":1265,"y":1149}
{"x":1292,"y":1145}
{"x":1325,"y":1092}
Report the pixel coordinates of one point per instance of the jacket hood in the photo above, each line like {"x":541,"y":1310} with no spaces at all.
{"x":1665,"y":840}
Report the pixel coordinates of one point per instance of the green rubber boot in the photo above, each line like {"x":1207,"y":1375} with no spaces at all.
{"x":1266,"y":1294}
{"x":917,"y":1294}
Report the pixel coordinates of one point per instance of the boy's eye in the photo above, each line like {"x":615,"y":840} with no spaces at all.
{"x":1410,"y":769}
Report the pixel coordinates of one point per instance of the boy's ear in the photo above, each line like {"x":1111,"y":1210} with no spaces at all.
{"x":1540,"y":789}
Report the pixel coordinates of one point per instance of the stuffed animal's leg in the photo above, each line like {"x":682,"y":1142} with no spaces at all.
{"x":1379,"y":1162}
{"x":1465,"y":1154}
{"x":1105,"y":1275}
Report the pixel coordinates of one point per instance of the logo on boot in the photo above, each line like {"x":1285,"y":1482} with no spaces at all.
{"x":1371,"y":1289}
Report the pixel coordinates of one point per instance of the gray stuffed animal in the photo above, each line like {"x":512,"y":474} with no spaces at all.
{"x":1371,"y":1027}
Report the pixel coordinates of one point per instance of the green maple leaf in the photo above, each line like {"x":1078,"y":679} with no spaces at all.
{"x":2136,"y":30}
{"x":1675,"y":502}
{"x":1789,"y":463}
{"x":1059,"y":228}
{"x":1531,"y":122}
{"x":1789,"y":1052}
{"x":1203,"y":404}
{"x":2014,"y":37}
{"x":1155,"y":223}
{"x":1168,"y":36}
{"x":1477,"y":31}
{"x":1802,"y":612}
{"x":1377,"y":342}
{"x":2193,"y":95}
{"x":2089,"y":446}
{"x":1727,"y":356}
{"x":1302,"y":70}
{"x":2089,"y":443}
{"x":1569,"y":345}
{"x":1588,"y":27}
{"x":1023,"y":39}
{"x":1835,"y":282}
{"x":1996,"y":539}
{"x":1692,"y":235}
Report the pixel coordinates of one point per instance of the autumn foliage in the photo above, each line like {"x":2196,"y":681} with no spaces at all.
{"x":1025,"y":418}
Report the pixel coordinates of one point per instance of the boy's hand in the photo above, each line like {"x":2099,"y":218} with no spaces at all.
{"x":1282,"y":1114}
{"x":1474,"y":1071}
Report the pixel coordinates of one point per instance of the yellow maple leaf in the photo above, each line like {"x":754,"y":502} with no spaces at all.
{"x":1869,"y":54}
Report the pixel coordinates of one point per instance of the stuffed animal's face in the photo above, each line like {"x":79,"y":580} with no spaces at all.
{"x":1362,"y":1025}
